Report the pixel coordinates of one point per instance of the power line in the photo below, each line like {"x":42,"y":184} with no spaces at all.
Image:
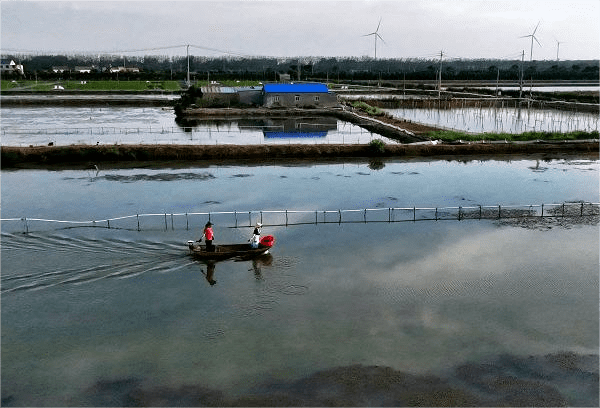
{"x":126,"y":51}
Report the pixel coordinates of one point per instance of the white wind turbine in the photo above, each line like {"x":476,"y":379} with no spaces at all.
{"x":376,"y":35}
{"x":558,"y":43}
{"x":533,"y":37}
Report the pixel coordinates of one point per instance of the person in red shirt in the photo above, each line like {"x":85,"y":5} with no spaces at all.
{"x":209,"y":235}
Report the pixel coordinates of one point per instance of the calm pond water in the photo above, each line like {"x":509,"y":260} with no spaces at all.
{"x":501,"y":120}
{"x":92,"y":125}
{"x":94,"y":316}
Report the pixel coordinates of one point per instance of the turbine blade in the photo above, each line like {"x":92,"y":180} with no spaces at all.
{"x":378,"y":24}
{"x":536,"y":27}
{"x":536,"y":40}
{"x":381,"y":39}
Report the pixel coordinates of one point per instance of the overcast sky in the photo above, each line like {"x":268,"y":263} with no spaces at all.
{"x":410,"y":29}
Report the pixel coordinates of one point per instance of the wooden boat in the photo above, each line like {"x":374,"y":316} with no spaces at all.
{"x":221,"y":252}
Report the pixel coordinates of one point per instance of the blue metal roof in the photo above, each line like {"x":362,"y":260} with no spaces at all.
{"x":296,"y":88}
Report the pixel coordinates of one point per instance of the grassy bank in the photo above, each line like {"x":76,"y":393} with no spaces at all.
{"x":452,"y":136}
{"x":84,"y":155}
{"x":42,"y":86}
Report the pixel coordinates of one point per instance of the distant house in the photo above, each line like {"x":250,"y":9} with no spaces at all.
{"x":113,"y":70}
{"x":300,"y":95}
{"x":10,"y":67}
{"x":84,"y":70}
{"x":215,"y":94}
{"x":60,"y":69}
{"x":283,"y":77}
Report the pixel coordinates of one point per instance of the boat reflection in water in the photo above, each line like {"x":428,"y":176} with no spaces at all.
{"x":237,"y":252}
{"x":258,"y":262}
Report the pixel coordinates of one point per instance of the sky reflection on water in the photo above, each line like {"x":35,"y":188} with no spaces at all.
{"x":85,"y":305}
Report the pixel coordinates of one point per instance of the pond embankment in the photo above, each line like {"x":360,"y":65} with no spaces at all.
{"x":91,"y":99}
{"x":48,"y":156}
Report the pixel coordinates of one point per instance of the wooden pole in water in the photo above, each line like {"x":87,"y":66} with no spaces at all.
{"x":521,"y":76}
{"x":440,"y":81}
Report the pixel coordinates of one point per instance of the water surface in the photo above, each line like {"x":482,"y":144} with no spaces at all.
{"x":90,"y":312}
{"x":25,"y":126}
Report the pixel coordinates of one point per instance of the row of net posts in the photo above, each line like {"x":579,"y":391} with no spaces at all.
{"x":238,"y":219}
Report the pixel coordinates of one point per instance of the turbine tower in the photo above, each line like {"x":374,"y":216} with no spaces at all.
{"x":533,"y":37}
{"x":376,"y":35}
{"x":558,"y":43}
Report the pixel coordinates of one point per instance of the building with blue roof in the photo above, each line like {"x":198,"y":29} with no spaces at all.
{"x":298,"y":95}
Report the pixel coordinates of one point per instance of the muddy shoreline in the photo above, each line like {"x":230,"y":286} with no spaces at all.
{"x":77,"y":155}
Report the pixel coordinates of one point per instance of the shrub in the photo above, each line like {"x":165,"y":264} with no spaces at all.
{"x":371,"y":110}
{"x":377,"y":145}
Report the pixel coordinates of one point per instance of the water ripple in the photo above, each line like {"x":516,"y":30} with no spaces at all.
{"x":134,"y":258}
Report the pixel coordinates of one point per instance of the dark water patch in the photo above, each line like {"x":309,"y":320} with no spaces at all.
{"x":561,"y":379}
{"x":214,"y":334}
{"x":7,"y":401}
{"x":144,"y":177}
{"x":129,"y":392}
{"x":156,"y":177}
{"x":241,"y":175}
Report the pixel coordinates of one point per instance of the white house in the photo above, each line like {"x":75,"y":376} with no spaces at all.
{"x":83,"y":70}
{"x":9,"y":66}
{"x":113,"y":70}
{"x":60,"y":69}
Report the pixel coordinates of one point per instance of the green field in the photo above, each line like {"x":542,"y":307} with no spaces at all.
{"x":91,"y":85}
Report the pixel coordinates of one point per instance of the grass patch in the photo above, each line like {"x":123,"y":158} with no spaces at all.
{"x":452,"y":136}
{"x":365,"y":107}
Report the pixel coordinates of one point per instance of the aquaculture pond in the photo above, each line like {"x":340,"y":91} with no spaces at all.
{"x":119,"y":316}
{"x":501,"y":120}
{"x":126,"y":125}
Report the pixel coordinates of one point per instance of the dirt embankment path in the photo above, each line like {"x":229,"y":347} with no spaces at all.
{"x":78,"y":155}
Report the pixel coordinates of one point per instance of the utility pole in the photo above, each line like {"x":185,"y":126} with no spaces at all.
{"x":188,"y":65}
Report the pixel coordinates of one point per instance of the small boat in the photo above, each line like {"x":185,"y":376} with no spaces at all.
{"x":221,"y":252}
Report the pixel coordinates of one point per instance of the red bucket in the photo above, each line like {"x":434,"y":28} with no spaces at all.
{"x":267,"y":240}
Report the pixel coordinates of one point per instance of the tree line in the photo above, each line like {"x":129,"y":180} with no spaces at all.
{"x":303,"y":68}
